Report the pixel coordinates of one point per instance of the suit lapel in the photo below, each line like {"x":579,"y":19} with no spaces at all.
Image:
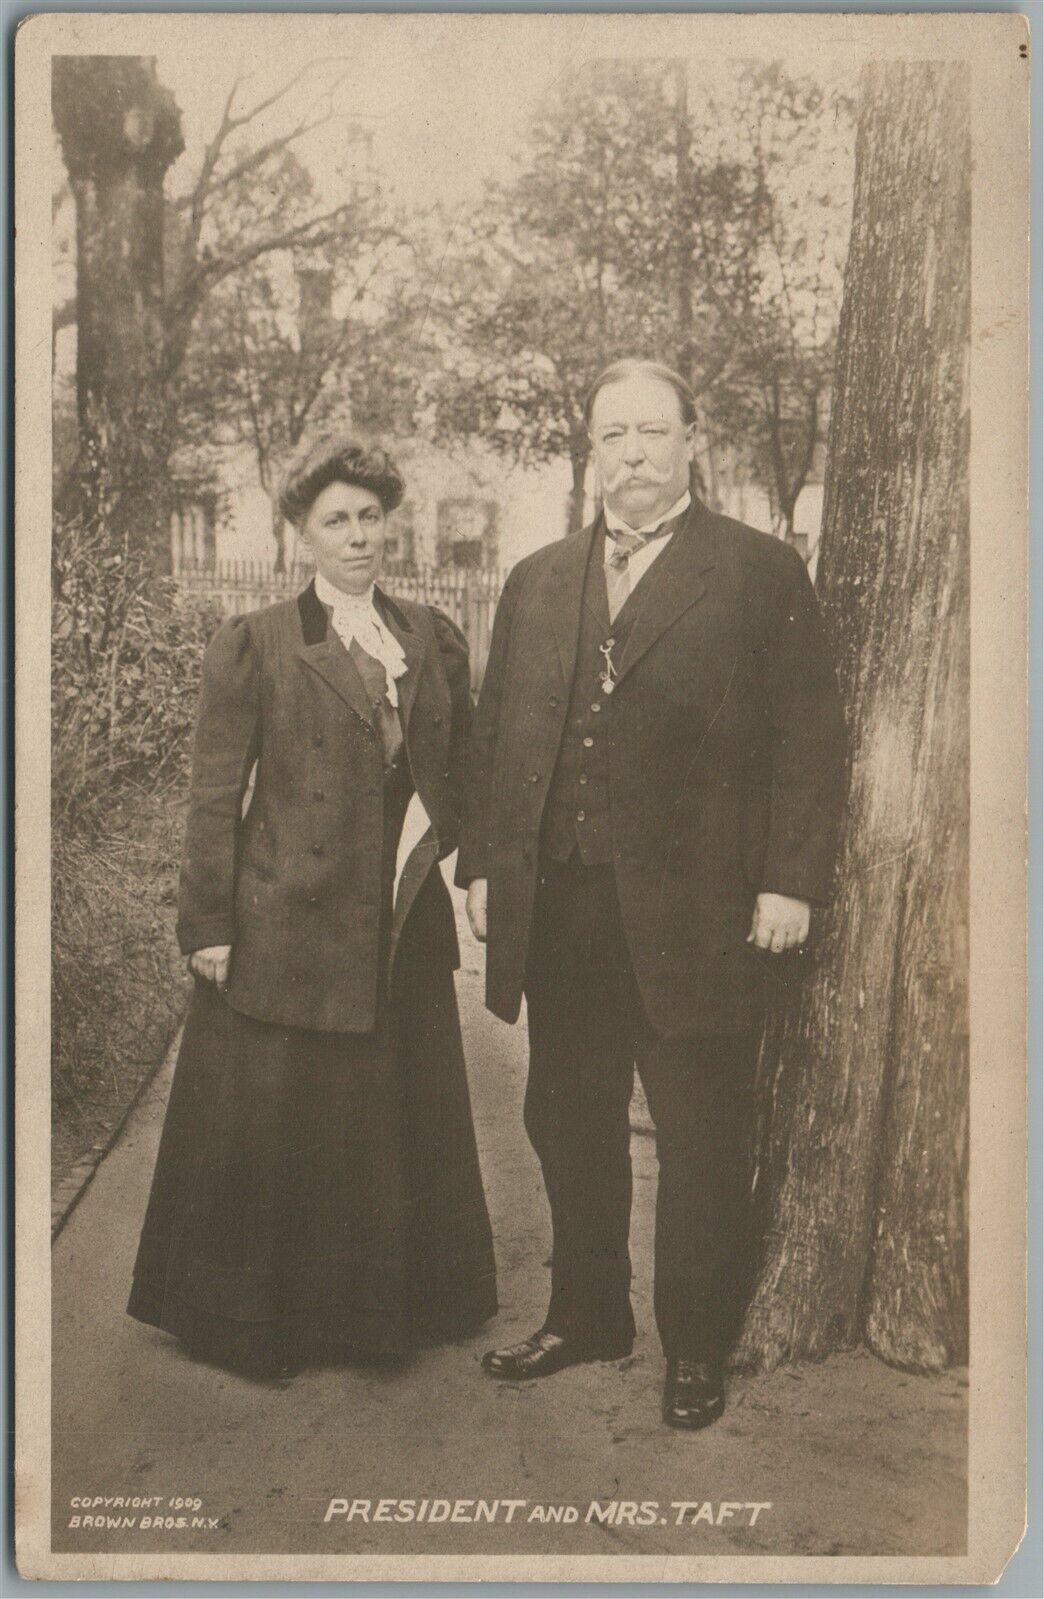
{"x":568,"y":573}
{"x":673,"y":583}
{"x":324,"y":653}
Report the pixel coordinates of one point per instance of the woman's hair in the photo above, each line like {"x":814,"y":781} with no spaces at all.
{"x":632,"y":367}
{"x":339,"y":459}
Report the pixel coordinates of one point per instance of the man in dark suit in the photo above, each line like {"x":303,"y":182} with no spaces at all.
{"x":651,"y":809}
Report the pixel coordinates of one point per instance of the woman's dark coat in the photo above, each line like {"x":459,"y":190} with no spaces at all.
{"x":295,"y":885}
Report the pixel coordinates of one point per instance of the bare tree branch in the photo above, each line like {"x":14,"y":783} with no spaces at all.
{"x":270,"y":100}
{"x":198,"y":194}
{"x":250,"y":162}
{"x":207,"y":273}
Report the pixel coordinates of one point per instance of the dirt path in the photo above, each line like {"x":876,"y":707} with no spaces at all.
{"x":849,"y":1456}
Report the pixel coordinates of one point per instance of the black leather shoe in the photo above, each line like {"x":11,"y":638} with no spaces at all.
{"x":694,"y":1395}
{"x":544,"y":1354}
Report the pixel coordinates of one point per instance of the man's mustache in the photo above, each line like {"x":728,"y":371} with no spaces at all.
{"x":625,"y":473}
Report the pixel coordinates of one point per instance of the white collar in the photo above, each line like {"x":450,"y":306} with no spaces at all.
{"x":616,"y":524}
{"x":355,"y":616}
{"x":328,"y":594}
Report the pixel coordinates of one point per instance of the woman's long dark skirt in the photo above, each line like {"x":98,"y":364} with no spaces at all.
{"x":317,"y":1196}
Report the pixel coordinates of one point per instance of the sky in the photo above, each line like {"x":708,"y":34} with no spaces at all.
{"x":440,"y":127}
{"x":444,"y":117}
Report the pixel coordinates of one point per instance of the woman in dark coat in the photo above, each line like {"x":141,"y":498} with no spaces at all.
{"x":317,"y":1193}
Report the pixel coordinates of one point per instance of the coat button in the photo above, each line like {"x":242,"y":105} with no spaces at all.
{"x":318,"y":741}
{"x":596,"y":706}
{"x":317,"y":849}
{"x":437,"y":721}
{"x":554,"y":702}
{"x":581,"y":816}
{"x":320,"y":794}
{"x":534,"y":777}
{"x":588,"y":743}
{"x":313,"y":899}
{"x":583,"y":777}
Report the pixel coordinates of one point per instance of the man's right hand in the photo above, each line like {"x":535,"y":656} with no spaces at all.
{"x":475,"y":905}
{"x":212,"y":964}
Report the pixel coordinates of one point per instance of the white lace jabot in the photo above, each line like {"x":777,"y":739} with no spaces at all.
{"x":355,"y":616}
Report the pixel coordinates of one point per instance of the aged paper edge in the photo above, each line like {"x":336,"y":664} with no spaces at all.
{"x":991,"y":43}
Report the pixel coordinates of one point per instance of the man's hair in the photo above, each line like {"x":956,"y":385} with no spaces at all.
{"x":633,"y":367}
{"x":339,"y":459}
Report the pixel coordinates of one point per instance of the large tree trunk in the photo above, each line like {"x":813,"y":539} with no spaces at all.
{"x":864,"y":1071}
{"x":120,"y":131}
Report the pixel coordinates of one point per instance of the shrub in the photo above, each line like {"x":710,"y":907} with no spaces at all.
{"x":125,"y":666}
{"x":126,"y":654}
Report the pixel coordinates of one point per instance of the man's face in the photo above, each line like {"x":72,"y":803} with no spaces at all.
{"x":642,"y":448}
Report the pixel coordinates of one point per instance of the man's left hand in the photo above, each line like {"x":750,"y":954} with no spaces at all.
{"x":779,"y":923}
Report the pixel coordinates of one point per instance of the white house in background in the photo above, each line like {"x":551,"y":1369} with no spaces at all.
{"x":464,"y":509}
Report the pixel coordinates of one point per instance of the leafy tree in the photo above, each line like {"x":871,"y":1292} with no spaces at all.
{"x":793,"y":140}
{"x":646,"y":217}
{"x":295,"y":341}
{"x":546,"y":286}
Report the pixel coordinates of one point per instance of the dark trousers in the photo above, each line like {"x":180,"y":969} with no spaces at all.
{"x":587,"y":1032}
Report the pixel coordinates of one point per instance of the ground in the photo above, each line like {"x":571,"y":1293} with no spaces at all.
{"x":849,"y":1456}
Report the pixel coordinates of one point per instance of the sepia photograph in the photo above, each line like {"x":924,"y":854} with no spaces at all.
{"x":521,"y":538}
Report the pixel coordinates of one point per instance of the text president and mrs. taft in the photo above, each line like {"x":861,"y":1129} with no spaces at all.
{"x":652,"y":799}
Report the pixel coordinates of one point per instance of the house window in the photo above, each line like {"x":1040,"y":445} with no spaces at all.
{"x":400,"y":540}
{"x":467,"y":533}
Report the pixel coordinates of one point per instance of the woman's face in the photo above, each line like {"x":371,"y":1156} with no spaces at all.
{"x":344,"y":529}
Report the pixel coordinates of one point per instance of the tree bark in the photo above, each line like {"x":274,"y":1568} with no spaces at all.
{"x":864,"y":1070}
{"x":120,"y":131}
{"x":579,"y":456}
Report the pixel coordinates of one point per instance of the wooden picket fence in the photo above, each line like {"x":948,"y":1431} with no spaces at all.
{"x":469,"y":598}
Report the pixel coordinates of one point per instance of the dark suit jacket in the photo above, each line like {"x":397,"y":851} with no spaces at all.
{"x":726,"y":762}
{"x":295,"y":884}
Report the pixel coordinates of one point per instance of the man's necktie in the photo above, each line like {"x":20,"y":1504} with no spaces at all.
{"x":617,"y":568}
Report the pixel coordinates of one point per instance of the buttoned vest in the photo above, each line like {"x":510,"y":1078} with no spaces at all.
{"x":576,"y":814}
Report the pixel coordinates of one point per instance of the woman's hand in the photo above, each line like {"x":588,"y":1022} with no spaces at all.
{"x":212,"y":964}
{"x":475,"y":905}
